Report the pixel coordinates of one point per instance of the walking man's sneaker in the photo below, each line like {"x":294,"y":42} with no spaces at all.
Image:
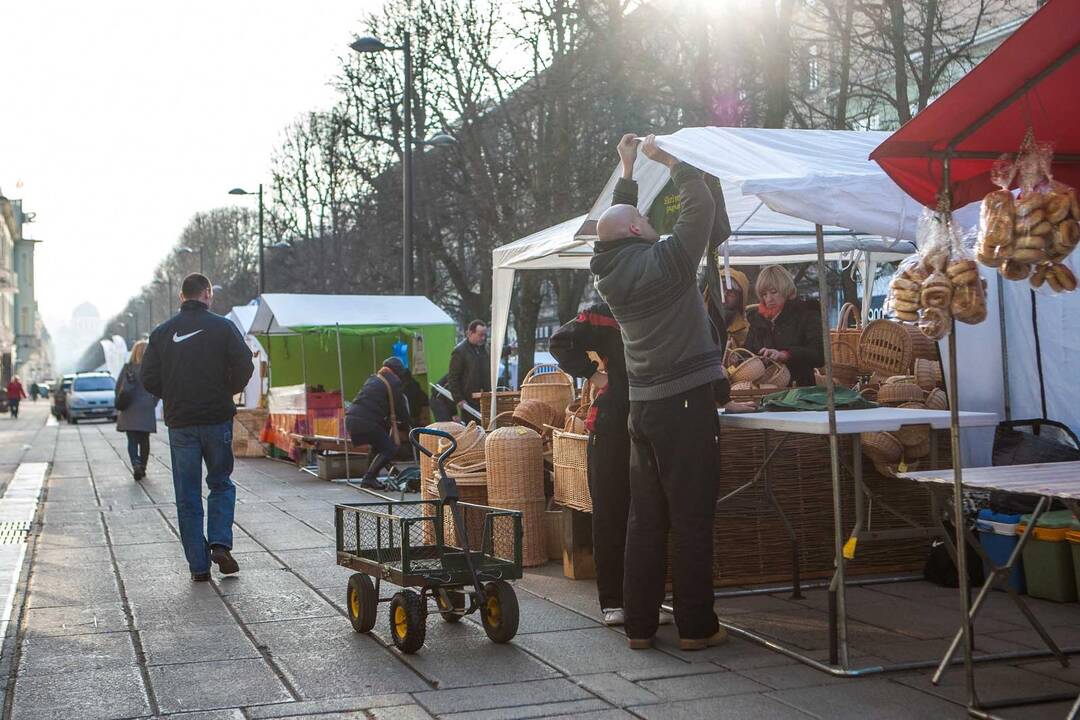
{"x":200,"y":577}
{"x":221,"y":557}
{"x":139,"y":472}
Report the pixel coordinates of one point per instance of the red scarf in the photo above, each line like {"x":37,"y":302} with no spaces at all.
{"x":769,"y":313}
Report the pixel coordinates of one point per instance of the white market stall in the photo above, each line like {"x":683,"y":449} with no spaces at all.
{"x":243,"y":316}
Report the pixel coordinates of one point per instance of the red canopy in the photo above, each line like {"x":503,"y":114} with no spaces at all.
{"x":1031,"y":80}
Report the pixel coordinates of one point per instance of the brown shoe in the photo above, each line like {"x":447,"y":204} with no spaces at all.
{"x":690,"y":644}
{"x":640,"y":643}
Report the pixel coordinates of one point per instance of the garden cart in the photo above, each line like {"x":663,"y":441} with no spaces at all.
{"x":459,"y":555}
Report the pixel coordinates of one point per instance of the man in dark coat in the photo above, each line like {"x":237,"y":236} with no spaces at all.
{"x":372,"y":418}
{"x":470,"y":373}
{"x":195,"y":362}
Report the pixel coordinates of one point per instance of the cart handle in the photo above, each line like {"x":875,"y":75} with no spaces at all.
{"x":414,"y":438}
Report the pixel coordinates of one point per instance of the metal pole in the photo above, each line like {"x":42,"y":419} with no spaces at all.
{"x":406,"y":177}
{"x":1004,"y":345}
{"x":202,"y":260}
{"x":341,"y":382}
{"x":837,"y":591}
{"x":262,"y":270}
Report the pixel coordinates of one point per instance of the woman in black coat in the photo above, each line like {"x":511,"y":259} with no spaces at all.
{"x":785,"y":328}
{"x":137,"y":419}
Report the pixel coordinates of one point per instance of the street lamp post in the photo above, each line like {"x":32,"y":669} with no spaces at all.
{"x":262,"y":270}
{"x":368,"y":45}
{"x":202,"y":256}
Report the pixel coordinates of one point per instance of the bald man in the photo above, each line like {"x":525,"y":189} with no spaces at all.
{"x":672,"y":360}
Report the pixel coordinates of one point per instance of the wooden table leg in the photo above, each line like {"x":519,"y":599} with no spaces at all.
{"x":578,"y":563}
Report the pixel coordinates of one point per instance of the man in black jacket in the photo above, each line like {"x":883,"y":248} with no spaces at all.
{"x":196,"y":361}
{"x":372,"y":418}
{"x":469,"y":374}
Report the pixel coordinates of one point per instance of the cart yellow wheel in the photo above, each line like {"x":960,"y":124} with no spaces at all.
{"x":499,"y":613}
{"x":451,"y":604}
{"x":361,"y":602}
{"x":408,"y":621}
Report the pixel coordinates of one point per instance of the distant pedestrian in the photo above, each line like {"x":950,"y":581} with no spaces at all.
{"x":34,"y":392}
{"x":135,"y":411}
{"x":196,"y":361}
{"x":469,"y":374}
{"x":15,"y":394}
{"x":373,"y":415}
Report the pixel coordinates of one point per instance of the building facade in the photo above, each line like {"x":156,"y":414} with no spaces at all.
{"x":24,"y":344}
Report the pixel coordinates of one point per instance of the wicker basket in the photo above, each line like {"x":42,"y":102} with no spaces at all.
{"x":870,"y":392}
{"x":427,"y":465}
{"x":505,"y":401}
{"x":470,"y":446}
{"x":248,"y":424}
{"x":900,"y":380}
{"x":744,"y":366}
{"x":515,"y":481}
{"x":843,"y":376}
{"x":570,"y":457}
{"x":534,"y":414}
{"x":472,"y":488}
{"x":928,"y":374}
{"x":776,"y":375}
{"x":917,"y":452}
{"x":898,"y":393}
{"x":892,"y":347}
{"x":937,"y":400}
{"x":554,"y":387}
{"x":913,"y":436}
{"x":882,"y":447}
{"x":845,"y":338}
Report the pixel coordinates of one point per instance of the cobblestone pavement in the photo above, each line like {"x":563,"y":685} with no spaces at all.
{"x":107,"y":623}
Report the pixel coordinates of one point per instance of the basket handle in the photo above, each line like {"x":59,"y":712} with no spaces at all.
{"x":528,"y":376}
{"x":414,"y":438}
{"x":736,"y":356}
{"x":843,"y":320}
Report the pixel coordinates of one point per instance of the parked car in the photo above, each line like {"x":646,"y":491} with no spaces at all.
{"x":92,"y":395}
{"x":59,"y":397}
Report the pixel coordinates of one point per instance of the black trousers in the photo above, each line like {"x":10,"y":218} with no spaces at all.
{"x":674,"y":476}
{"x":380,"y":442}
{"x":609,"y":485}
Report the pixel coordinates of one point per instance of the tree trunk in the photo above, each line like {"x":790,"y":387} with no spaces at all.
{"x":900,"y":54}
{"x":530,"y":296}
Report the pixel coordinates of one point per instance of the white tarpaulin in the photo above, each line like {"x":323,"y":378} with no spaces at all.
{"x":279,"y":312}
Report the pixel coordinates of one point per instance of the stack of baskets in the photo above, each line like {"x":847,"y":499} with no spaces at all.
{"x":569,"y":454}
{"x":909,"y":444}
{"x":466,"y":466}
{"x":844,"y":340}
{"x":753,"y":376}
{"x":515,"y":481}
{"x":505,"y":401}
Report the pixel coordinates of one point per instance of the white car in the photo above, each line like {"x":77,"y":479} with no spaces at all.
{"x":92,"y":395}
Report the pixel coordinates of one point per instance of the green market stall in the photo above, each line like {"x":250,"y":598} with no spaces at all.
{"x":321,"y":345}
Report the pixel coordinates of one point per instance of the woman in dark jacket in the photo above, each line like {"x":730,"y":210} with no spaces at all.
{"x":372,"y":415}
{"x":137,"y":418}
{"x":785,"y":328}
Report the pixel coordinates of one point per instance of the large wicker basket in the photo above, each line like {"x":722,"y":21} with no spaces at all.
{"x":744,"y":366}
{"x":898,"y":393}
{"x":928,"y":374}
{"x":536,"y":415}
{"x":554,"y":387}
{"x":891,"y":347}
{"x":505,"y":401}
{"x":570,"y":455}
{"x":515,"y":481}
{"x":845,"y":338}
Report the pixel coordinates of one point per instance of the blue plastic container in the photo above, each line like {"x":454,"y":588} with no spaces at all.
{"x":997,"y":535}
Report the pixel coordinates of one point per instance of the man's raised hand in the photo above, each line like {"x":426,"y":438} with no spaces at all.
{"x":653,"y":152}
{"x":628,"y":153}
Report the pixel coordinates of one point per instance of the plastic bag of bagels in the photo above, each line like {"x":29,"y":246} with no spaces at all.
{"x":997,"y":216}
{"x":905,"y":290}
{"x":968,"y":302}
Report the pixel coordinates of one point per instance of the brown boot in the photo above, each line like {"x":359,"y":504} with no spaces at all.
{"x":690,"y":644}
{"x":640,"y":643}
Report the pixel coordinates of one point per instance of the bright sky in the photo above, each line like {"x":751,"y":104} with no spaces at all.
{"x":122,"y":118}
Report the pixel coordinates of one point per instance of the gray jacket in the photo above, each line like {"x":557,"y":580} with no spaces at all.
{"x":139,"y":415}
{"x":652,"y":290}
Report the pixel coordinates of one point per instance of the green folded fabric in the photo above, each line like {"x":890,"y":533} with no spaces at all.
{"x":815,"y":398}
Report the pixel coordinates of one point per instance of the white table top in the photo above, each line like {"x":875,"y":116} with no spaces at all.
{"x":1055,"y":479}
{"x":849,"y":422}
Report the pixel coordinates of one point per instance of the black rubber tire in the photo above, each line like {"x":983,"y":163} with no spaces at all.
{"x":408,"y":621}
{"x":73,"y":421}
{"x":500,"y":613}
{"x":361,"y":603}
{"x":454,"y":614}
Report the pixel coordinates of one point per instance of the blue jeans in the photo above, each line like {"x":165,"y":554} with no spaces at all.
{"x":189,"y":448}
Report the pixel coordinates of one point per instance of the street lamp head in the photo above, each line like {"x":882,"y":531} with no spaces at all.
{"x":367,"y":44}
{"x":280,"y":245}
{"x":441,"y":139}
{"x":185,"y":249}
{"x":239,"y":191}
{"x":216,"y":288}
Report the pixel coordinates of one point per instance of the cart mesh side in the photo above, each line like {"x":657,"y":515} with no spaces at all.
{"x":396,"y":538}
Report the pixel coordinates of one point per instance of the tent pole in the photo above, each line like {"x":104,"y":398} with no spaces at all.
{"x":303,"y":363}
{"x":341,"y":382}
{"x":1004,"y":346}
{"x":869,"y":271}
{"x":836,"y":589}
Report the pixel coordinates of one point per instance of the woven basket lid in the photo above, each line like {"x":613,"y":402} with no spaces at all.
{"x":534,"y":414}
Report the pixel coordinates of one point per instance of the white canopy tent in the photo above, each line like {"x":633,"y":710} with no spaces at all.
{"x":279,"y":312}
{"x":243,"y":316}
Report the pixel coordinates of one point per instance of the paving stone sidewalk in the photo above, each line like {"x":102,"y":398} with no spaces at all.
{"x":108,"y":624}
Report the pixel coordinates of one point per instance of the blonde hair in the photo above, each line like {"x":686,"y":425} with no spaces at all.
{"x":137,"y":352}
{"x":775,"y":279}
